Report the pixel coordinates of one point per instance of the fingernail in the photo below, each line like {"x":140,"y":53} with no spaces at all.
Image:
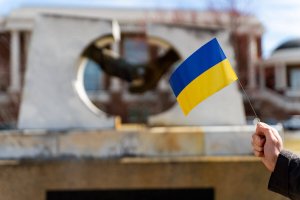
{"x":256,"y":121}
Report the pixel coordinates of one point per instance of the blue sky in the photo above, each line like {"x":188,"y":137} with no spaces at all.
{"x":281,"y":18}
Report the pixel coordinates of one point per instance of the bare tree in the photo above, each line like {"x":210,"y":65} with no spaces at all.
{"x":236,"y":9}
{"x":241,"y":7}
{"x":238,"y":13}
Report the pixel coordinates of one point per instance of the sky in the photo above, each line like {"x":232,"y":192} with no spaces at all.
{"x":280,"y":18}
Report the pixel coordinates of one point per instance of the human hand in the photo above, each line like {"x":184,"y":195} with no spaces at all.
{"x":267,"y":144}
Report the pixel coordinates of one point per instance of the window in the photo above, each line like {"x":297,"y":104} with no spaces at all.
{"x":137,"y":194}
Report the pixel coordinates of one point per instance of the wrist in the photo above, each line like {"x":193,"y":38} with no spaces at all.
{"x":274,"y":160}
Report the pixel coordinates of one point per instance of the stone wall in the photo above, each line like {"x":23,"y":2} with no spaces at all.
{"x":229,"y":177}
{"x":143,"y":141}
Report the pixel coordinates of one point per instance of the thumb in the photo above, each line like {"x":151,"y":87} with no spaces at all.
{"x":264,"y":130}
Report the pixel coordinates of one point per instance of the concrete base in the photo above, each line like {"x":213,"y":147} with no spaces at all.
{"x":229,"y":177}
{"x":141,"y":142}
{"x":133,"y":158}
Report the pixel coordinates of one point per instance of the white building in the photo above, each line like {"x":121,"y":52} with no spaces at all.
{"x":280,"y":80}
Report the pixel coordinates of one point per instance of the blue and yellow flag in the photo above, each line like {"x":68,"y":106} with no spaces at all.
{"x":202,"y":74}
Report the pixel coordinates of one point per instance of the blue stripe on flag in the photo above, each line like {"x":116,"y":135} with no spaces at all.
{"x":201,"y":60}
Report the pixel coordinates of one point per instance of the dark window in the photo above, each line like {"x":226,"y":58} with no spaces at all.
{"x":139,"y":194}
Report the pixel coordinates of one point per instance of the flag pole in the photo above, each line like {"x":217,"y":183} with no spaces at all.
{"x":256,"y":120}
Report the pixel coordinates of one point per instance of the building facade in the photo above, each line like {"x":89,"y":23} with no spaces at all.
{"x":278,"y":93}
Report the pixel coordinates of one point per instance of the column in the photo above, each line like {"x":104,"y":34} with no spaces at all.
{"x":262,"y":81}
{"x":115,"y":84}
{"x":284,"y":76}
{"x":252,"y":60}
{"x":27,"y":42}
{"x":280,"y":76}
{"x":15,"y":61}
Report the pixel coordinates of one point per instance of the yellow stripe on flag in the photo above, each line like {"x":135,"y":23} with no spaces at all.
{"x":209,"y":82}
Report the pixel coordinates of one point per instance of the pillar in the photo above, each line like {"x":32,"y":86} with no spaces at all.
{"x":252,"y":60}
{"x":27,"y":42}
{"x":280,"y":76}
{"x":262,"y":81}
{"x":15,"y":61}
{"x":116,"y":84}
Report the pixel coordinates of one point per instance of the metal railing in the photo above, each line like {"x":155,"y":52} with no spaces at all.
{"x":284,"y":102}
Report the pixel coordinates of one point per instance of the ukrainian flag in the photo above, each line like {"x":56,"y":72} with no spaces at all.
{"x":202,"y":74}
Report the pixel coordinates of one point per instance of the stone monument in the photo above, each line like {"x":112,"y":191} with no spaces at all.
{"x":223,"y":108}
{"x":53,"y":96}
